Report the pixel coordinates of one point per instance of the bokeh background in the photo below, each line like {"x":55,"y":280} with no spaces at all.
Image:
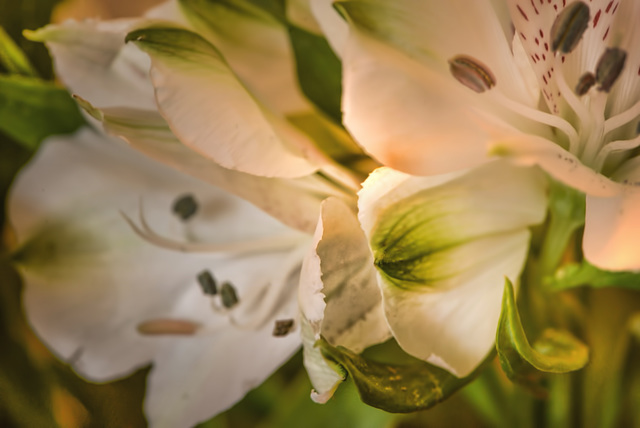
{"x":36,"y":390}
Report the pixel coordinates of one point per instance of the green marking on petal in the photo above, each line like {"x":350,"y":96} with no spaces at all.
{"x":410,"y":241}
{"x":172,"y":42}
{"x":556,"y":351}
{"x":396,"y":388}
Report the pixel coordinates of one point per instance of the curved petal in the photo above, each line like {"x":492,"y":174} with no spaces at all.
{"x":559,"y":163}
{"x":255,"y":45}
{"x":611,"y":232}
{"x":295,"y":202}
{"x":442,"y":246}
{"x":408,"y":116}
{"x":91,"y":283}
{"x":339,"y":295}
{"x":91,"y":56}
{"x":210,"y":111}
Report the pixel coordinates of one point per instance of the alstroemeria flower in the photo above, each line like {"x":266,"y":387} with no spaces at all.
{"x":221,"y":106}
{"x":438,"y":86}
{"x":108,"y":302}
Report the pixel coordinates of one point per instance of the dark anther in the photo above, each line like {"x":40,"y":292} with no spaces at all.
{"x":207,"y":283}
{"x":228,"y":295}
{"x":609,"y":68}
{"x":185,"y":207}
{"x":471,"y":73}
{"x":282,"y":327}
{"x":569,"y":26}
{"x":587,"y":80}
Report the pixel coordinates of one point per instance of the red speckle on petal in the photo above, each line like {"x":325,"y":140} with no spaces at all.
{"x":596,"y":19}
{"x":524,"y":15}
{"x":609,"y":7}
{"x":606,"y":33}
{"x":535,"y":8}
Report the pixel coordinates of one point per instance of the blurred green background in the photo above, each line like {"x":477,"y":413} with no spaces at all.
{"x":36,"y":390}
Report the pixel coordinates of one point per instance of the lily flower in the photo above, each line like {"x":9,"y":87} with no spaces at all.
{"x":432,"y":87}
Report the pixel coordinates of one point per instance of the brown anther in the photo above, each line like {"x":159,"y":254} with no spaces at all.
{"x":282,"y":327}
{"x":471,"y":73}
{"x":609,"y":67}
{"x":569,"y":26}
{"x":586,"y":81}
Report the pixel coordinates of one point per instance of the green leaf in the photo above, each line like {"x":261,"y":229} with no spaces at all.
{"x":396,"y":388}
{"x":556,"y":351}
{"x":13,"y":58}
{"x":579,"y":274}
{"x":31,"y":110}
{"x":207,"y":10}
{"x":319,"y":71}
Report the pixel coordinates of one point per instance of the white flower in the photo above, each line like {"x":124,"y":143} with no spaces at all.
{"x":108,"y":301}
{"x":434,"y":86}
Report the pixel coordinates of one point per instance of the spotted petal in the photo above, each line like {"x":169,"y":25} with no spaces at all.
{"x":442,"y":246}
{"x":91,"y":282}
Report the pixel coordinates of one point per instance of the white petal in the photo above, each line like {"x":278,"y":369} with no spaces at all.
{"x":461,"y":235}
{"x":333,"y":25}
{"x":339,"y":295}
{"x":256,"y":46}
{"x":295,"y":202}
{"x":408,"y":116}
{"x":90,"y":57}
{"x":559,"y":163}
{"x":193,"y":378}
{"x":209,"y":110}
{"x":90,"y":282}
{"x":611,"y":233}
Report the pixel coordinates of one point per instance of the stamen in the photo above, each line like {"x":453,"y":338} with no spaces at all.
{"x":620,"y":119}
{"x":609,"y":68}
{"x":471,"y":73}
{"x":539,"y":116}
{"x":164,"y":326}
{"x":282,"y":327}
{"x":612,"y":147}
{"x":569,"y":26}
{"x":586,"y":81}
{"x":228,"y":295}
{"x":277,"y":243}
{"x":185,"y":207}
{"x":573,"y":102}
{"x":207,"y":283}
{"x":273,"y":297}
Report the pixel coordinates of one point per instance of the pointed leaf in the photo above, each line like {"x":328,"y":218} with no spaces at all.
{"x":578,"y":274}
{"x":319,"y":71}
{"x":555,"y":351}
{"x":13,"y":58}
{"x":396,"y":388}
{"x":31,"y":110}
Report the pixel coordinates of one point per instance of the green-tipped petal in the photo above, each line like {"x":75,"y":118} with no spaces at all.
{"x":209,"y":110}
{"x":442,"y":246}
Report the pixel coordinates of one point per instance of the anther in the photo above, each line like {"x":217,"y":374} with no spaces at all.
{"x":228,"y":295}
{"x":609,"y":68}
{"x":163,"y":326}
{"x":471,"y":73}
{"x":282,"y":327}
{"x":569,"y":26}
{"x":185,"y":207}
{"x":207,"y":283}
{"x":586,"y":81}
